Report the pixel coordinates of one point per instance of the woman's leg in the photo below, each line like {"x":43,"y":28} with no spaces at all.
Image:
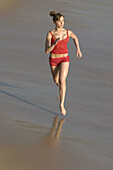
{"x":64,"y":67}
{"x":59,"y":74}
{"x":55,"y":73}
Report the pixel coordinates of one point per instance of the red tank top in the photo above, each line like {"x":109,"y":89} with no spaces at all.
{"x":61,"y":47}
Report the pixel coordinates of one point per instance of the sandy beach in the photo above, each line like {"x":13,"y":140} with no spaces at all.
{"x":33,"y":134}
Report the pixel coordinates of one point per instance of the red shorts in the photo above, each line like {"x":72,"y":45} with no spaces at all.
{"x":58,"y":61}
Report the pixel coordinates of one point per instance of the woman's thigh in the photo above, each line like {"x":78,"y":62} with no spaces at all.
{"x":64,"y":68}
{"x":55,"y":71}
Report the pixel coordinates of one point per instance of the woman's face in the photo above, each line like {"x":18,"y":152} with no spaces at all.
{"x":60,"y":22}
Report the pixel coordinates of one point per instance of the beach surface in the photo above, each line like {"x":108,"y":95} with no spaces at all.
{"x":33,"y":134}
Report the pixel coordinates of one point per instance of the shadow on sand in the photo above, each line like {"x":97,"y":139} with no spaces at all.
{"x":25,"y":101}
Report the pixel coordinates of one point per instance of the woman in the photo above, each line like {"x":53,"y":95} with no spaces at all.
{"x":56,"y":45}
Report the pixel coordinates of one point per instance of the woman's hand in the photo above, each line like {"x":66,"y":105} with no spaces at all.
{"x":79,"y":54}
{"x":56,"y":41}
{"x":48,"y":46}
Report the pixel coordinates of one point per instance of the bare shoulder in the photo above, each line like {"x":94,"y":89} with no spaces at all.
{"x":71,"y":34}
{"x":48,"y":36}
{"x":69,"y":31}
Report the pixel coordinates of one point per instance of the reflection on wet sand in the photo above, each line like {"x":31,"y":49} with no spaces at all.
{"x":43,"y":154}
{"x":52,"y":138}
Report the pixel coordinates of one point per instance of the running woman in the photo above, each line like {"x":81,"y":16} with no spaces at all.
{"x":56,"y":45}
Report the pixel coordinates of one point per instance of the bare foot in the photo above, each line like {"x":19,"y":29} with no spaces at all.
{"x":63,"y":110}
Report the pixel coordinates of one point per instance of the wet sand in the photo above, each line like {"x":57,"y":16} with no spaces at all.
{"x":33,"y":134}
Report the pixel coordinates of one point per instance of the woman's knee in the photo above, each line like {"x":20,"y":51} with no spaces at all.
{"x":62,"y":82}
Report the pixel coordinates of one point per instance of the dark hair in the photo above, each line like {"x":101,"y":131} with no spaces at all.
{"x":56,"y":16}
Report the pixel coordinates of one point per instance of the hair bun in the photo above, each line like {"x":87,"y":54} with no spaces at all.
{"x":52,"y":13}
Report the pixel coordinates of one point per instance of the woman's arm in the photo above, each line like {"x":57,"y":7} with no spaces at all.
{"x":48,"y":46}
{"x":75,"y":39}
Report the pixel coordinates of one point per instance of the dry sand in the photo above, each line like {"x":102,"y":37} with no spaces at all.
{"x":33,"y":135}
